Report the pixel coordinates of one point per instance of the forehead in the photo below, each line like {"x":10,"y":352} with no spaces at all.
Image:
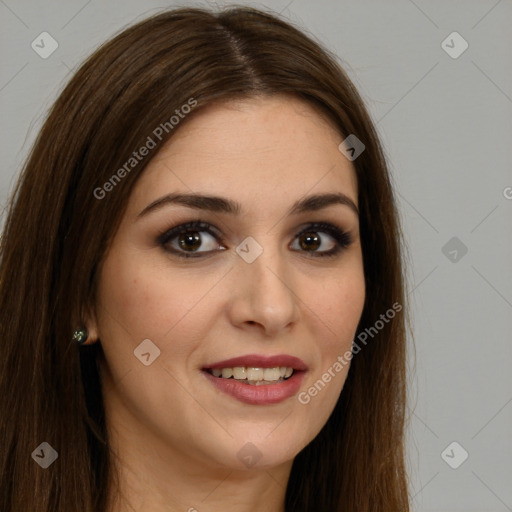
{"x":258,"y":149}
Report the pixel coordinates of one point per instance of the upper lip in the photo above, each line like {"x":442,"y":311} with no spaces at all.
{"x":260,"y":361}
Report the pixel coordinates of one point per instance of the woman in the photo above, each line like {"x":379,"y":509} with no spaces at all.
{"x":201,"y":287}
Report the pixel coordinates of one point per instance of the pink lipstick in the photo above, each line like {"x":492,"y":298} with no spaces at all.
{"x":256,"y":379}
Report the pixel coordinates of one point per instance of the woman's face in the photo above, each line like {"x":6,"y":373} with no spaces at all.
{"x":259,"y":285}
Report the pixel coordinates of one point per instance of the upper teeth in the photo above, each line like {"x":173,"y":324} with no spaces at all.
{"x":252,"y":373}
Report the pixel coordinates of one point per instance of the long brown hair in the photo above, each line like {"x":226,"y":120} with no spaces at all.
{"x":57,"y":231}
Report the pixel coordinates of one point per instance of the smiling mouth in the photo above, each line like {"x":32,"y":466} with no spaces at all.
{"x":254,"y":376}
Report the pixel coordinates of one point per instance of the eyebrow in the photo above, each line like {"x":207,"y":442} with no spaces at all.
{"x":223,"y":205}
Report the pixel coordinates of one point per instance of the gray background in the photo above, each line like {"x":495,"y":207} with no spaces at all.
{"x":446,"y":125}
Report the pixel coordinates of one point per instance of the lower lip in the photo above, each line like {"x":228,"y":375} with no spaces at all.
{"x":263,"y":394}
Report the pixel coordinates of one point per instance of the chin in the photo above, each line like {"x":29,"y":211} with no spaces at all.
{"x":269,"y":451}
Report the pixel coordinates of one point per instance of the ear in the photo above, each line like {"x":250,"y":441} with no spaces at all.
{"x":91,"y":324}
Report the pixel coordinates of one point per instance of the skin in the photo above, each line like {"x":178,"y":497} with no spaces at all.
{"x":176,"y":437}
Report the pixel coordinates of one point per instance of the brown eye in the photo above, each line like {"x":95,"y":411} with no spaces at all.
{"x":197,"y":239}
{"x":191,"y":240}
{"x":186,"y":240}
{"x":322,"y":235}
{"x":310,"y":241}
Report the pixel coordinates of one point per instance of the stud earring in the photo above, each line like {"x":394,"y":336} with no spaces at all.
{"x":80,"y":337}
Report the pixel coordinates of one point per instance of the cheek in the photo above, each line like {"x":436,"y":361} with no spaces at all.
{"x":144,"y":299}
{"x":337,"y":307}
{"x":147,"y":300}
{"x":141,"y":300}
{"x":338,"y":304}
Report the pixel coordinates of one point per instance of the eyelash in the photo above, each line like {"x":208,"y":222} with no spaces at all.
{"x":342,"y":238}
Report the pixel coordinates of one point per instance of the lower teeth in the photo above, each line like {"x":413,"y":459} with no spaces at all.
{"x":262,"y":382}
{"x":257,"y":382}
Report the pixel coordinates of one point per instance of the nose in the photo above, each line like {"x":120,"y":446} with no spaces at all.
{"x":263,"y":294}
